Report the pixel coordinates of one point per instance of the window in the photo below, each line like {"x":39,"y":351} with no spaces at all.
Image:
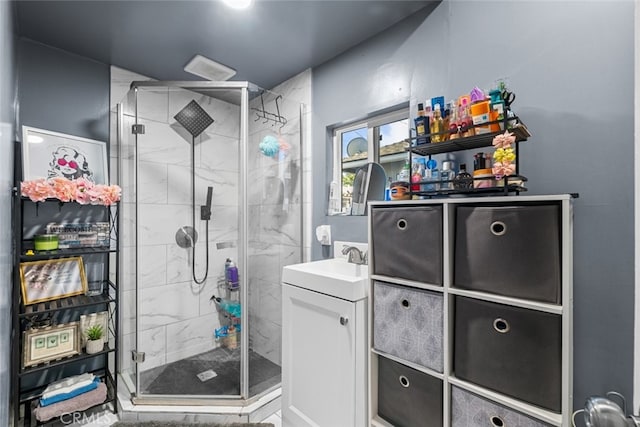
{"x":380,"y":139}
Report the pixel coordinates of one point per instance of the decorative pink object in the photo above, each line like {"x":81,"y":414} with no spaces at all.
{"x":501,"y":169}
{"x":80,"y":190}
{"x":63,"y":189}
{"x":109,"y":194}
{"x":37,"y":190}
{"x":504,"y":140}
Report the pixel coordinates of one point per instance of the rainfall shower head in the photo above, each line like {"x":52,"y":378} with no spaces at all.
{"x":193,"y":118}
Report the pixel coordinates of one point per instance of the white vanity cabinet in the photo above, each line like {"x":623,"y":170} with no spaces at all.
{"x":324,"y":354}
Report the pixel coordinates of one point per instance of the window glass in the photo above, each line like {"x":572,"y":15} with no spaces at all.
{"x":381,"y":139}
{"x":354,"y":155}
{"x":392,"y":145}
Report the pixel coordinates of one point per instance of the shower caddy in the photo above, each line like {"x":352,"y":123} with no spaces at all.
{"x":28,"y":383}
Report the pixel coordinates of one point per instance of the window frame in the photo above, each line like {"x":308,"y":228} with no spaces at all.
{"x":372,"y":124}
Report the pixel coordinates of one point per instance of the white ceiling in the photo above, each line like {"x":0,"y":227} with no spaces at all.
{"x":267,"y":44}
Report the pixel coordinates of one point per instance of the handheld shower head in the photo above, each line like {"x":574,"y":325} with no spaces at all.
{"x":205,"y":210}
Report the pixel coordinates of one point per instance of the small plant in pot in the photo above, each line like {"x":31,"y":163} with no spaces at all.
{"x":95,"y":340}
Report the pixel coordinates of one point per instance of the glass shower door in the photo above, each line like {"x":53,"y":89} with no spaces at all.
{"x":275,"y":232}
{"x":188,"y":319}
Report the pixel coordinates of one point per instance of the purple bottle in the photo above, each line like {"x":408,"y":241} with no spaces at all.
{"x":231,"y":274}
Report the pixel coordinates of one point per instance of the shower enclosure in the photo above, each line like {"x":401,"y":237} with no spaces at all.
{"x":211,"y":212}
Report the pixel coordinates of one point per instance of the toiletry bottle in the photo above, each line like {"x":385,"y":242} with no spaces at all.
{"x":433,"y":176}
{"x":334,"y":198}
{"x":387,"y":190}
{"x":449,"y":114}
{"x":405,"y":172}
{"x":422,"y":126}
{"x":428,"y":113}
{"x":416,"y":177}
{"x":465,"y":120}
{"x":231,"y":275}
{"x":446,"y":175}
{"x":488,"y":160}
{"x":437,"y":125}
{"x":454,"y":122}
{"x":463,"y":179}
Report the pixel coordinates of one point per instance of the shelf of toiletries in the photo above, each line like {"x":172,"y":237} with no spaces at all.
{"x":520,"y":131}
{"x":470,"y":186}
{"x":472,"y":121}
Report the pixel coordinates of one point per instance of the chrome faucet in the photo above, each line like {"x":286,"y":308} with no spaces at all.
{"x":355,"y":255}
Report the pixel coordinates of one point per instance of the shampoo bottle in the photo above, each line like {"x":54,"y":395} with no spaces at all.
{"x":422,"y":125}
{"x":437,"y":126}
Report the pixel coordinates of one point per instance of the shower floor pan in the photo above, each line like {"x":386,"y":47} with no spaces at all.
{"x":181,"y":377}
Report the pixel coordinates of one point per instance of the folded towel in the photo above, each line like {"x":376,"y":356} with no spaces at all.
{"x":66,"y":396}
{"x":68,"y":384}
{"x":78,"y":403}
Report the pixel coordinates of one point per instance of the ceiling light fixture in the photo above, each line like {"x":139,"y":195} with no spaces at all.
{"x":209,"y":69}
{"x":238,"y":4}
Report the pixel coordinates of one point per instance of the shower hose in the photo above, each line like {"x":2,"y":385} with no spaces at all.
{"x":193,"y":221}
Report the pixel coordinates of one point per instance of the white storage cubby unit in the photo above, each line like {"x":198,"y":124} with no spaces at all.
{"x":470,"y":312}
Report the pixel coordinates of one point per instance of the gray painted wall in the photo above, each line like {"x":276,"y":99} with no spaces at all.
{"x":574,"y":86}
{"x":6,"y":183}
{"x":62,"y":92}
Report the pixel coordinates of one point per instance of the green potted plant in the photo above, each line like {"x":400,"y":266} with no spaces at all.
{"x":95,"y":340}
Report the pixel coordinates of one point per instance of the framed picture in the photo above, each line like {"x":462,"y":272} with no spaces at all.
{"x":50,"y":343}
{"x":47,"y":154}
{"x":52,"y":279}
{"x":88,"y":320}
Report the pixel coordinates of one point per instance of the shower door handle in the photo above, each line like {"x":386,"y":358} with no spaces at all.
{"x":344,"y":320}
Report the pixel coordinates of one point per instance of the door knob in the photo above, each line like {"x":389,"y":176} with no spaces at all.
{"x":343,"y":320}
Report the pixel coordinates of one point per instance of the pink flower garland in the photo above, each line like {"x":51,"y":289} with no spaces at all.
{"x":80,"y":190}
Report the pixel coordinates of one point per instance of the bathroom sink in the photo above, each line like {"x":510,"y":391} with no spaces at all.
{"x":335,"y":277}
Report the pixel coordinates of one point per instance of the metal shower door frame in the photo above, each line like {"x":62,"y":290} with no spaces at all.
{"x":243,"y":242}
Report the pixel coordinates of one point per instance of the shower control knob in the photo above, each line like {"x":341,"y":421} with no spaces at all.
{"x":343,"y":320}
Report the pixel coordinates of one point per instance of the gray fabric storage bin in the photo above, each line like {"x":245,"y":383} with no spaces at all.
{"x":407,"y":323}
{"x":469,"y":410}
{"x":512,"y":350}
{"x":406,"y":397}
{"x":509,"y":250}
{"x":407,"y":242}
